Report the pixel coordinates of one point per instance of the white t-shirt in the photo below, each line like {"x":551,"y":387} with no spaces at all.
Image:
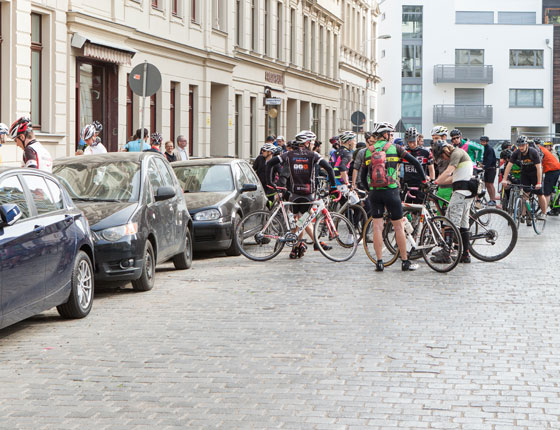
{"x":95,"y":149}
{"x":183,"y":154}
{"x":463,"y":167}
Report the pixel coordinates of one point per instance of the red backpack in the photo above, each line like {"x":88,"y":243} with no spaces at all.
{"x":379,"y":176}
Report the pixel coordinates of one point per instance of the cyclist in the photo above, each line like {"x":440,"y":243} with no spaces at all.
{"x":458,"y":173}
{"x":531,"y":172}
{"x":343,"y":158}
{"x":380,"y":172}
{"x":98,"y":129}
{"x":489,"y":162}
{"x":440,"y":133}
{"x":259,"y":165}
{"x":3,"y":132}
{"x":334,"y":141}
{"x":424,"y":157}
{"x":301,"y":162}
{"x":93,"y":144}
{"x":551,"y":169}
{"x":34,"y":154}
{"x":473,"y":149}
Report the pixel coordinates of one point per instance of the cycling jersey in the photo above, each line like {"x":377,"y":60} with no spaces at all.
{"x":424,"y":157}
{"x":527,"y":161}
{"x":36,"y":156}
{"x":343,"y":158}
{"x":98,"y":148}
{"x":475,"y":150}
{"x":549,"y":161}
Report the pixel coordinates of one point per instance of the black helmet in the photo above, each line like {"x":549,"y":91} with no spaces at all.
{"x":537,"y":140}
{"x":411,"y":134}
{"x":506,"y":144}
{"x":455,"y":132}
{"x":360,"y":145}
{"x":98,"y":126}
{"x":506,"y":154}
{"x":437,"y":148}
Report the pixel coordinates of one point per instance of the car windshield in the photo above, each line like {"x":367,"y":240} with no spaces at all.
{"x":104,"y":181}
{"x":204,"y":179}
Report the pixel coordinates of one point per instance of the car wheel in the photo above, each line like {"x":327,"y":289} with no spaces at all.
{"x":148,"y":277}
{"x":183,"y":260}
{"x":233,"y":249}
{"x":80,"y":301}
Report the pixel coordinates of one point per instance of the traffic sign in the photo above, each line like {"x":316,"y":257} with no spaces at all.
{"x":152,"y":76}
{"x":358,"y":118}
{"x":273,"y":101}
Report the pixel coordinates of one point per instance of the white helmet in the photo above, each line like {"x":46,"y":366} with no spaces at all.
{"x":382,"y":127}
{"x":268,"y":147}
{"x":439,"y":130}
{"x":347,"y":136}
{"x":4,"y":128}
{"x":304,"y":137}
{"x":87,"y":132}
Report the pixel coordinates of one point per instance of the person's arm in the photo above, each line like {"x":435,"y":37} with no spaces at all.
{"x":412,"y":160}
{"x":363,"y":175}
{"x":270,"y":168}
{"x":330,"y":172}
{"x":505,"y":179}
{"x":432,"y":171}
{"x":446,"y":177}
{"x":539,"y":176}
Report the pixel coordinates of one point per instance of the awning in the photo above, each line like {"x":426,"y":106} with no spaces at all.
{"x":102,"y":49}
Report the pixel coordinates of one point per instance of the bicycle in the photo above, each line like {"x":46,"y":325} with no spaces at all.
{"x":431,"y":235}
{"x":261,"y":235}
{"x":352,"y":208}
{"x":532,"y":209}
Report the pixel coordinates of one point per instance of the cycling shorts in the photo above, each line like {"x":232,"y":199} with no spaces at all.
{"x":388,"y":198}
{"x":301,"y":207}
{"x":489,"y":175}
{"x":530,"y":180}
{"x":550,"y":180}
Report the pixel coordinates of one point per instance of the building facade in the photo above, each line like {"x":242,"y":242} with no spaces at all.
{"x":233,"y":71}
{"x":483,"y":67}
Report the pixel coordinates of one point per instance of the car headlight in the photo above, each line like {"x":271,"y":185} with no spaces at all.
{"x":116,"y":233}
{"x":207,"y":215}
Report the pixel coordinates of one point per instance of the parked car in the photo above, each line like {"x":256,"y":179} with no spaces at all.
{"x":219,"y":192}
{"x":136,"y":210}
{"x":46,"y":248}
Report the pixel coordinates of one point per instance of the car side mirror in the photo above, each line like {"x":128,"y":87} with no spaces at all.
{"x":248,"y":187}
{"x":9,"y":214}
{"x":165,"y":193}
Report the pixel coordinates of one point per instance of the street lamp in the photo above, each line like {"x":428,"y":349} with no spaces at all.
{"x":384,"y":36}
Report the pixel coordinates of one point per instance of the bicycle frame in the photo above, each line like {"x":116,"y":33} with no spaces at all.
{"x":425,"y":216}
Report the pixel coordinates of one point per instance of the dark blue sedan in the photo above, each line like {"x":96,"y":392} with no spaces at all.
{"x":46,"y":248}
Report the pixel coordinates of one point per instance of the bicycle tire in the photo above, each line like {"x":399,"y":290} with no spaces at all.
{"x":426,"y":235}
{"x":250,"y":226}
{"x":337,"y":241}
{"x":538,"y":225}
{"x":367,"y":240}
{"x":485,"y":237}
{"x":517,"y":211}
{"x":357,"y":215}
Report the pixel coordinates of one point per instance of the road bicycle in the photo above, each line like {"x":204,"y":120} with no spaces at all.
{"x":261,"y":235}
{"x":351,"y":206}
{"x":429,"y":236}
{"x":532,"y":209}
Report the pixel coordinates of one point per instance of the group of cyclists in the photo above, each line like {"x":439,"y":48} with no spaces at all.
{"x":382,"y":166}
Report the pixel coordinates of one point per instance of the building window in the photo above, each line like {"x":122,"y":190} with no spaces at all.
{"x":328,"y":58}
{"x":517,"y":17}
{"x":525,"y":98}
{"x":175,"y":7}
{"x":36,"y":69}
{"x":252,"y":126}
{"x":305,"y":57}
{"x":469,"y":57}
{"x":153,"y":113}
{"x":411,"y":101}
{"x":293,"y":38}
{"x":194,"y":11}
{"x":219,"y":15}
{"x":313,"y":50}
{"x":267,"y":27}
{"x":474,"y":17}
{"x":193,"y":97}
{"x":525,"y":58}
{"x":316,"y":119}
{"x":254,"y":25}
{"x":412,"y":61}
{"x":155,"y":4}
{"x":129,"y":110}
{"x":279,"y":31}
{"x":322,"y":50}
{"x":238,"y":125}
{"x":335,"y":56}
{"x":552,"y":15}
{"x":238,"y":21}
{"x":172,"y":98}
{"x":412,"y":22}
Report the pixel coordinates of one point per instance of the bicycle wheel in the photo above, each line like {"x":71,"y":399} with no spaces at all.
{"x":259,"y":237}
{"x":517,"y":211}
{"x":335,"y":237}
{"x":494,"y":238}
{"x":357,"y":216}
{"x":440,"y":242}
{"x":388,"y":253}
{"x":538,"y":224}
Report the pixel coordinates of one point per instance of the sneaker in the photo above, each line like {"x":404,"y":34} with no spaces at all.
{"x":552,"y":213}
{"x":407,"y":265}
{"x":541,"y":217}
{"x":302,"y":248}
{"x":439,"y":253}
{"x":294,"y":253}
{"x":323,"y":245}
{"x":492,"y":203}
{"x":528,"y":220}
{"x":465,"y":259}
{"x":443,"y":258}
{"x":379,"y":266}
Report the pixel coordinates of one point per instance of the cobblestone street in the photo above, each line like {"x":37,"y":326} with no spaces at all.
{"x":301,"y":344}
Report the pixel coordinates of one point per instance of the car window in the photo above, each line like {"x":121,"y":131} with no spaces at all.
{"x":204,"y":178}
{"x":40,"y":194}
{"x":240,"y":178}
{"x":154,"y":177}
{"x":250,"y":174}
{"x":11,"y":191}
{"x":164,"y":170}
{"x":56,"y":194}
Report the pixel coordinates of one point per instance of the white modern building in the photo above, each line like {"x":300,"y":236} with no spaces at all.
{"x":484,"y":67}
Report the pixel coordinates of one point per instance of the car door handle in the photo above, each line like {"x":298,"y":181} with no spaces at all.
{"x":38,"y":229}
{"x":68,"y":219}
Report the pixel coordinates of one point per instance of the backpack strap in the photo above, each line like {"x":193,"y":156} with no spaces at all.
{"x":386,"y":147}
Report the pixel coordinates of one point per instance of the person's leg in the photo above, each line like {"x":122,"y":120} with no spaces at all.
{"x":378,"y":238}
{"x":400,"y":237}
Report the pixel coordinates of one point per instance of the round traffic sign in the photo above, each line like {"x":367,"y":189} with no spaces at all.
{"x":152,"y":76}
{"x":358,"y":118}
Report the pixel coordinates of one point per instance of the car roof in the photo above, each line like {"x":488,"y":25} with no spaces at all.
{"x":205,"y":162}
{"x":112,"y":156}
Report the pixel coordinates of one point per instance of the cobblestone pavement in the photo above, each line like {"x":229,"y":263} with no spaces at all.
{"x":300,"y":344}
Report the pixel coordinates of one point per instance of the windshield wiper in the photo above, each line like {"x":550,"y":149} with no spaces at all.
{"x":89,"y":199}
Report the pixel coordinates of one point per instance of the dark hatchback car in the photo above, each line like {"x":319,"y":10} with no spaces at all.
{"x":136,"y":210}
{"x":219,"y":192}
{"x":46,"y":248}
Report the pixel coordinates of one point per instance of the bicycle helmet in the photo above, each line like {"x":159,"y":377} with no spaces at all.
{"x":455,"y":132}
{"x":522,"y":140}
{"x":398,"y":141}
{"x":3,"y":128}
{"x":334,"y":140}
{"x":347,"y":136}
{"x":437,"y":148}
{"x":411,"y":134}
{"x":537,"y":141}
{"x":156,"y":138}
{"x":21,"y":126}
{"x":360,"y":145}
{"x":88,"y":131}
{"x":506,"y":144}
{"x":269,"y":147}
{"x":368,"y":135}
{"x":439,"y":130}
{"x":383,"y":127}
{"x":98,"y":126}
{"x":304,"y":137}
{"x":277,"y":150}
{"x":506,"y":154}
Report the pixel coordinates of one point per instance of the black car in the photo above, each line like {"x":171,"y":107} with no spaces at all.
{"x":219,"y":192}
{"x":46,"y":248}
{"x":136,"y":210}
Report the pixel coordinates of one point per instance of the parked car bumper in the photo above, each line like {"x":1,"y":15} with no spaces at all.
{"x":212,"y":235}
{"x":118,"y":261}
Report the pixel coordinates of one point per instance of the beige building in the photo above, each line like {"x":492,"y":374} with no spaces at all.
{"x":233,"y":71}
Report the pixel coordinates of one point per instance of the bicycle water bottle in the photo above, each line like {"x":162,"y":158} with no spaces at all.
{"x":407,"y":226}
{"x":304,"y":218}
{"x":291,"y":219}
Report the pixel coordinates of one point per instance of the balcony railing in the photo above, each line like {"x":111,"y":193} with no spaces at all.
{"x":448,"y":73}
{"x":463,"y":114}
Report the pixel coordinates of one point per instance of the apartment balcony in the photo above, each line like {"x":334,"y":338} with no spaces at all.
{"x":463,"y":114}
{"x":449,"y":73}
